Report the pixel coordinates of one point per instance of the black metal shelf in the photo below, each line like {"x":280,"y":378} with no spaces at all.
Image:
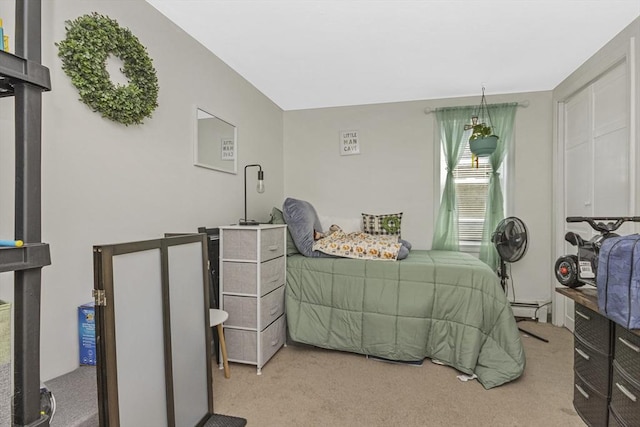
{"x":23,"y":77}
{"x":14,"y":69}
{"x":32,"y":255}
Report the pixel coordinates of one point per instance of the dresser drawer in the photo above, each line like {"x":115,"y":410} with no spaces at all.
{"x":242,"y":278}
{"x":589,"y":404}
{"x":625,"y":398}
{"x":592,"y":366}
{"x":243,"y":310}
{"x":614,"y":420}
{"x":627,"y":353}
{"x":243,"y":244}
{"x":593,"y":329}
{"x":242,"y":345}
{"x":272,"y":244}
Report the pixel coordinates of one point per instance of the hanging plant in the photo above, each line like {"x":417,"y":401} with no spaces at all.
{"x":84,"y":52}
{"x":480,"y":130}
{"x":482,"y":141}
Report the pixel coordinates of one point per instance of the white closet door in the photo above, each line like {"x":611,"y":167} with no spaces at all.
{"x":597,"y":179}
{"x":612,"y":184}
{"x":577,"y":179}
{"x":578,"y":158}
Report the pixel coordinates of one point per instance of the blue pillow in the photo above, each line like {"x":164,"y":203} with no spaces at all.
{"x":302,"y":220}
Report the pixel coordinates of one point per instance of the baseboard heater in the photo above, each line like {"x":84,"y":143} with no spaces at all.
{"x":531,"y":310}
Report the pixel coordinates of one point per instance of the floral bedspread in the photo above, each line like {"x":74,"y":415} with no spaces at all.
{"x":359,"y":245}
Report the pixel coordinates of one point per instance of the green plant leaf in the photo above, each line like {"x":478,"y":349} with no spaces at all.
{"x":84,"y":52}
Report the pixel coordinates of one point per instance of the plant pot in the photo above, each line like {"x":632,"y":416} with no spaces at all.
{"x":483,"y":147}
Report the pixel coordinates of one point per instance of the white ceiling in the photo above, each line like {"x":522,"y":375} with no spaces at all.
{"x":324,"y":53}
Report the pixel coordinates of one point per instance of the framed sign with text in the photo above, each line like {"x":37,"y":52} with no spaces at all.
{"x":349,"y":143}
{"x":228,"y":151}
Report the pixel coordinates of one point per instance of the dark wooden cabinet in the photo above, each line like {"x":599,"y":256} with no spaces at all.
{"x":606,"y":365}
{"x":213,"y":251}
{"x":625,"y":384}
{"x":593,"y":352}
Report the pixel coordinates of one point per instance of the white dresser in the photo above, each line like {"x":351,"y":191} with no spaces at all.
{"x":252,"y":278}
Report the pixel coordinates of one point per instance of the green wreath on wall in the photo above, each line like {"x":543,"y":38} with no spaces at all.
{"x":84,"y":53}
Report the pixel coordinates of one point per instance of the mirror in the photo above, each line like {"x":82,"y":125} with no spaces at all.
{"x":215,"y":144}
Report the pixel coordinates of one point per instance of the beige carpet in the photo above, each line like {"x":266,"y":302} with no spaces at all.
{"x":305,"y":386}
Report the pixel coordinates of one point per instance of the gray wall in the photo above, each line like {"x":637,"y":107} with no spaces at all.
{"x":106,"y":183}
{"x":103,"y":182}
{"x":398,"y":171}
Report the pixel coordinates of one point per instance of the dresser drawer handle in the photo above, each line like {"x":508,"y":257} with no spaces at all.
{"x":274,"y":309}
{"x":582,"y":392}
{"x":274,"y":279}
{"x":275,"y":342}
{"x":584,"y":316}
{"x":584,"y":355}
{"x":273,"y":247}
{"x":626,"y":392}
{"x":628,"y":344}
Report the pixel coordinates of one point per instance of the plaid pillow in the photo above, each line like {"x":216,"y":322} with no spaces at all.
{"x":386,"y":225}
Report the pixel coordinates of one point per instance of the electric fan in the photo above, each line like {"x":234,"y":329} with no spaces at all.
{"x":511,"y":241}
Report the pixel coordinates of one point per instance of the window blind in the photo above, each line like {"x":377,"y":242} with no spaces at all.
{"x":472,"y":184}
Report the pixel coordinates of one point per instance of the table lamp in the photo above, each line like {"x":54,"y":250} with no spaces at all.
{"x":259,"y":189}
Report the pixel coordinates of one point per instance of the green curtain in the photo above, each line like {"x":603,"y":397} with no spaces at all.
{"x":502,"y":119}
{"x":451,"y":122}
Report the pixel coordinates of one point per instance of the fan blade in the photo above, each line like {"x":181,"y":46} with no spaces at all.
{"x":517,"y":239}
{"x":508,"y":229}
{"x":506,"y":252}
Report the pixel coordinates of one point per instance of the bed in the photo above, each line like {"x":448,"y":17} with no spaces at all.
{"x":447,"y":306}
{"x":443,"y":305}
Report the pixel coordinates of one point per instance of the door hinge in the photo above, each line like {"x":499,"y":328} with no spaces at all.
{"x":99,"y":297}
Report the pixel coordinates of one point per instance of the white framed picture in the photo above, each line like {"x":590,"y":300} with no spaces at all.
{"x":349,"y":143}
{"x":228,"y":149}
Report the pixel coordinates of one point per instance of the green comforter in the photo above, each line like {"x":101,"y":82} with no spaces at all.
{"x":447,"y":306}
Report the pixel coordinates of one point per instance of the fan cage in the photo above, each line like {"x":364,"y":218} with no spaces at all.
{"x":510,"y":231}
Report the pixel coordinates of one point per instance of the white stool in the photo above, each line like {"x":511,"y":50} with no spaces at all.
{"x":217,"y":318}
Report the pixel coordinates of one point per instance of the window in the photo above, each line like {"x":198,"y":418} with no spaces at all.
{"x":472,"y":184}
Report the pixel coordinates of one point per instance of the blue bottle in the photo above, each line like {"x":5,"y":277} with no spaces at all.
{"x":1,"y":35}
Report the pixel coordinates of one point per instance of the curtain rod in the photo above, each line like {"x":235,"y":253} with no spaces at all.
{"x":523,"y":104}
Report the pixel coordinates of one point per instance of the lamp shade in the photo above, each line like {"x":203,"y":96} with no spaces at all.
{"x":260,"y":186}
